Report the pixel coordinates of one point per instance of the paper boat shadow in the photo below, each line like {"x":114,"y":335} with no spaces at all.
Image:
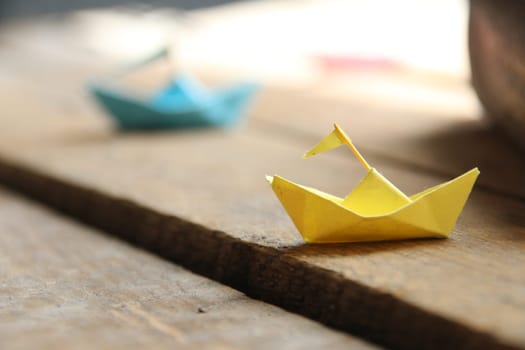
{"x":183,"y":103}
{"x":361,"y":248}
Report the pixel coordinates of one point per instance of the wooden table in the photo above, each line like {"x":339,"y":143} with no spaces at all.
{"x":199,"y":198}
{"x":65,"y":285}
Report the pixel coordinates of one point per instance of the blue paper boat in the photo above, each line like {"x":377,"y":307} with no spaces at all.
{"x":182,"y":103}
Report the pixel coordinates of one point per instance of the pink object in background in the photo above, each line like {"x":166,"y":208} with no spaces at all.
{"x":343,"y":63}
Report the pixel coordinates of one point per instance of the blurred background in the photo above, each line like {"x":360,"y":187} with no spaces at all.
{"x":391,"y":49}
{"x":362,"y":63}
{"x":13,"y":8}
{"x":281,"y":37}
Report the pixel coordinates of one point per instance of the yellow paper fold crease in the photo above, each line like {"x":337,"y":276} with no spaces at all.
{"x":375,"y":209}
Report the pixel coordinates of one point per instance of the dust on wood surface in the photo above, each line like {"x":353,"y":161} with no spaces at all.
{"x":67,"y":285}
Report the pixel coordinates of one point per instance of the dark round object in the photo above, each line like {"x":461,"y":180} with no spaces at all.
{"x":497,"y":57}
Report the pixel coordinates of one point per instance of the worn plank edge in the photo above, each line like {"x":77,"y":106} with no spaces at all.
{"x":263,"y":273}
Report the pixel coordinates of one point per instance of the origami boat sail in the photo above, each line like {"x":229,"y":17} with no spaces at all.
{"x":182,"y":103}
{"x":375,"y":209}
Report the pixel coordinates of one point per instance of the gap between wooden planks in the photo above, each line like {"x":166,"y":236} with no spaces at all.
{"x":199,"y":198}
{"x":66,"y":285}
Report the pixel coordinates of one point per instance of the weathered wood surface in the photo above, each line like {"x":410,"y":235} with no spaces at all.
{"x":435,"y":124}
{"x":200,"y":198}
{"x":443,"y":141}
{"x":68,"y":286}
{"x":462,"y":290}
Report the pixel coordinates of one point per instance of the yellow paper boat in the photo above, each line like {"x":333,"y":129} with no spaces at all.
{"x":375,"y":210}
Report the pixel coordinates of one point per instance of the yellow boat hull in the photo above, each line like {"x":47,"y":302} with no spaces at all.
{"x":323,"y":218}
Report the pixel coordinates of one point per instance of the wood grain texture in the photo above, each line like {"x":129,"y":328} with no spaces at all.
{"x":68,"y":286}
{"x":199,"y":198}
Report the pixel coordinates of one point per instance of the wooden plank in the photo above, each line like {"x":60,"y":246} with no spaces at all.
{"x":446,"y":141}
{"x":199,"y":198}
{"x":66,"y":285}
{"x":386,"y":292}
{"x":434,"y":124}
